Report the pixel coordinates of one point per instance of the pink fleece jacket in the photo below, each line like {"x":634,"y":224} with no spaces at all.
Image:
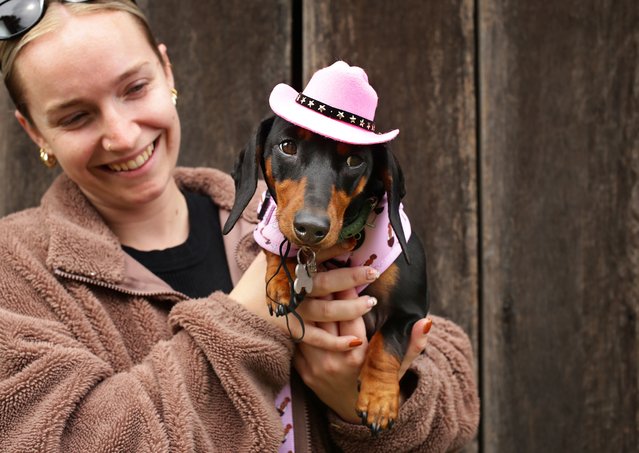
{"x":97,"y":354}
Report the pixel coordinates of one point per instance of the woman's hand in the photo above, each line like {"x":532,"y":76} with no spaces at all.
{"x":332,"y":352}
{"x":317,"y":306}
{"x":333,"y":375}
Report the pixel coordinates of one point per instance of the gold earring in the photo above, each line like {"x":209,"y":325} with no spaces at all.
{"x":47,"y":159}
{"x":174,"y":96}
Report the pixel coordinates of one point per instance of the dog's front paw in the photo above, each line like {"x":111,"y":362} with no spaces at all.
{"x":378,"y":401}
{"x":278,"y":286}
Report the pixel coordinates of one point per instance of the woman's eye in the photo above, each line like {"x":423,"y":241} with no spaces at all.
{"x":136,"y":89}
{"x":354,"y":161}
{"x":72,"y":120}
{"x":288,"y":147}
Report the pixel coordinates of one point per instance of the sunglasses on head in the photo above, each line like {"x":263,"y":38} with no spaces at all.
{"x":19,"y":16}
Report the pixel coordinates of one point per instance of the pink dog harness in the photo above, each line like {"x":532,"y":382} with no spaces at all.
{"x":379,"y":249}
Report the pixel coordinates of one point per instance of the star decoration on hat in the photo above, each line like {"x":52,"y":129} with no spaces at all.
{"x":334,"y":113}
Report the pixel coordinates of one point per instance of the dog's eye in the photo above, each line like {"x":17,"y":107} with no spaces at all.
{"x":289,"y":147}
{"x":354,"y":160}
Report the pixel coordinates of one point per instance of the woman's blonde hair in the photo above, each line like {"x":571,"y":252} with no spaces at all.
{"x":9,"y":49}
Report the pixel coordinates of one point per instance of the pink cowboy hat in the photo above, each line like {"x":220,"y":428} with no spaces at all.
{"x":337,"y":103}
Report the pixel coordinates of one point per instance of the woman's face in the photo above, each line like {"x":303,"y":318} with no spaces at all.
{"x":100,"y":102}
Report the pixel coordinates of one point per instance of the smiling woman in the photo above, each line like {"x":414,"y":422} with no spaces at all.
{"x":123,"y":120}
{"x":128,"y":322}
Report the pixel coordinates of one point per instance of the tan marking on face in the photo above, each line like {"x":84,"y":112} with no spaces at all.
{"x":344,"y":149}
{"x":303,"y":134}
{"x":290,"y":200}
{"x":336,"y":209}
{"x":268,"y":169}
{"x":360,"y":187}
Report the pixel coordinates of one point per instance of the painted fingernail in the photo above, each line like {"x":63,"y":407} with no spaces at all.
{"x":372,"y":274}
{"x":428,"y":325}
{"x":371,"y":302}
{"x":355,"y":343}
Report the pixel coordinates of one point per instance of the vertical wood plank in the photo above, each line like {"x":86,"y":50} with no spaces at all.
{"x":560,"y":210}
{"x":419,"y":58}
{"x":227,"y":55}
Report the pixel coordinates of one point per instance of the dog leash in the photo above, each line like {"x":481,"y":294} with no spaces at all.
{"x":296,"y":298}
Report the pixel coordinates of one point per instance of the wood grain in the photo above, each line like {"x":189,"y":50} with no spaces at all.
{"x":227,"y":56}
{"x":560,"y":210}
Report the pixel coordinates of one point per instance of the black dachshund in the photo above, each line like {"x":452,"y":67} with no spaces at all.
{"x":322,"y":188}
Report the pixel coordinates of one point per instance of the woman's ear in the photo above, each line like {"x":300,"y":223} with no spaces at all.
{"x":32,"y":131}
{"x":166,"y":65}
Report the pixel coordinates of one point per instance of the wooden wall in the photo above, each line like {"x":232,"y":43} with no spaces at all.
{"x":559,"y":148}
{"x":519,"y":139}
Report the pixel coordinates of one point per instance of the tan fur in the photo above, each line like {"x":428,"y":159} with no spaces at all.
{"x":290,"y":199}
{"x":379,"y":384}
{"x":277,"y":283}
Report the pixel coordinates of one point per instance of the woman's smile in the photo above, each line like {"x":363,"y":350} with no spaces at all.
{"x":134,"y":162}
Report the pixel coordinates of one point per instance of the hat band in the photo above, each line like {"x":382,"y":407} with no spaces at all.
{"x":336,"y":114}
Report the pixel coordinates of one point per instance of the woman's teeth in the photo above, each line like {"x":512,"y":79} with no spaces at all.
{"x":134,"y":163}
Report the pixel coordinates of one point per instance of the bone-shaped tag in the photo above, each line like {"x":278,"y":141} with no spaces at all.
{"x":303,"y":279}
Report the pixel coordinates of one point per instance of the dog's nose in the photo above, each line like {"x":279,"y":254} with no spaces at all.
{"x":310,"y":228}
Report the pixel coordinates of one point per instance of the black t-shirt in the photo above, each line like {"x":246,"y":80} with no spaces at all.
{"x":197,"y":267}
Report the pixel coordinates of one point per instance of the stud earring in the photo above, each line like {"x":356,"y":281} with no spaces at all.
{"x":174,"y":96}
{"x":47,"y":159}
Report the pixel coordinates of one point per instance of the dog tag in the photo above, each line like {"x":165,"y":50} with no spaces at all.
{"x":303,"y":280}
{"x":304,"y":271}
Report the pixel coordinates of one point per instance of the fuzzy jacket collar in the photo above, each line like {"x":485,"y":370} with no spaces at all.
{"x":82,"y":244}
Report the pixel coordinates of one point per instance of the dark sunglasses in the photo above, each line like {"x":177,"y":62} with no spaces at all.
{"x":19,"y":16}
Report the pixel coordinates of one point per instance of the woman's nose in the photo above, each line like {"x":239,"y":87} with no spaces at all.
{"x":120,"y":131}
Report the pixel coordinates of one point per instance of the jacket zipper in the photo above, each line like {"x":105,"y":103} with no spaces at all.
{"x":100,"y":283}
{"x":303,"y":433}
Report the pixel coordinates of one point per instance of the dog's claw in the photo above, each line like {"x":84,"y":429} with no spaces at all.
{"x":281,"y":310}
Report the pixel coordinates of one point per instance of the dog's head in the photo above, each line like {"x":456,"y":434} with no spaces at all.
{"x":320,"y":185}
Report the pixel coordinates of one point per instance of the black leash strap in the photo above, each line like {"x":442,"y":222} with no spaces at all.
{"x":295,"y":299}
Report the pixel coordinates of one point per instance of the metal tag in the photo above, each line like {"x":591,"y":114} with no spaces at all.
{"x":304,"y":271}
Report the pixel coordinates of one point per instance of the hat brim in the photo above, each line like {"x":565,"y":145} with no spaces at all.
{"x":282,"y":102}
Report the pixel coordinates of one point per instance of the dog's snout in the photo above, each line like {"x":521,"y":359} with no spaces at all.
{"x":310,"y":228}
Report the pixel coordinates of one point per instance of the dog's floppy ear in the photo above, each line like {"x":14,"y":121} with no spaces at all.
{"x":245,"y":172}
{"x":393,"y":178}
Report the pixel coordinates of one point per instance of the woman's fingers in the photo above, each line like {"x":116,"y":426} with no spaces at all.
{"x":320,"y":310}
{"x":341,"y":279}
{"x":417,"y":343}
{"x":321,"y":339}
